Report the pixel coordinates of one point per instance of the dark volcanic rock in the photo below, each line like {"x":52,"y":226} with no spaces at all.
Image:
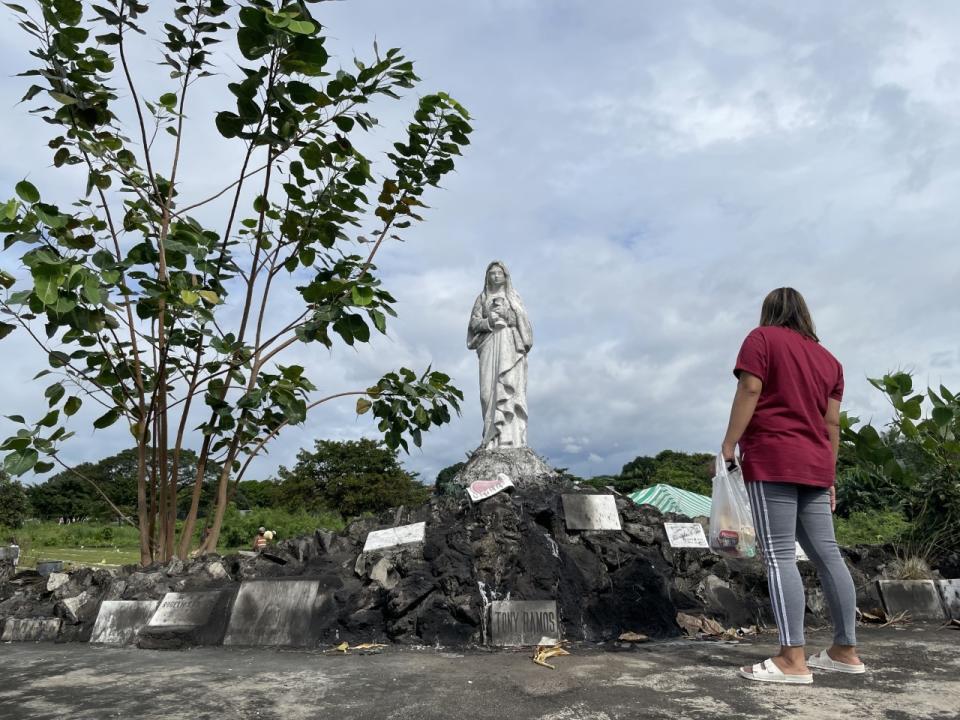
{"x":510,"y":546}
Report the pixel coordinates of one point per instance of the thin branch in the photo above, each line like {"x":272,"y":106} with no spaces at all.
{"x":273,"y":433}
{"x":136,"y":99}
{"x":95,"y":487}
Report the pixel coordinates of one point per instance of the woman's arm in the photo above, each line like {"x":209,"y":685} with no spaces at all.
{"x":832,"y":419}
{"x":744,"y":403}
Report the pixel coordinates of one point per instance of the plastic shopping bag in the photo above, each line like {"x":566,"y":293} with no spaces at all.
{"x":731,"y":524}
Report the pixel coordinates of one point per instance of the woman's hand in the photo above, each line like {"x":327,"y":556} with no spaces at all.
{"x":729,"y":451}
{"x":833,"y":498}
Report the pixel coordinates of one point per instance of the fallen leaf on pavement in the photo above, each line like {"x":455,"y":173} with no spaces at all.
{"x":632,"y":637}
{"x":542,"y":653}
{"x":704,"y":628}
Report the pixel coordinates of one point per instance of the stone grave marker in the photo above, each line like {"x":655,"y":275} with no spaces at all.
{"x":950,"y":592}
{"x":391,"y":537}
{"x":591,"y":512}
{"x":920,"y":598}
{"x":49,"y":566}
{"x":10,"y":552}
{"x":524,"y":622}
{"x":686,"y":535}
{"x":277,"y":613}
{"x":119,"y":621}
{"x":188,"y":619}
{"x":30,"y":629}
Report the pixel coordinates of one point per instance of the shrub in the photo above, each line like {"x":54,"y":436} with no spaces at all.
{"x":239,"y":530}
{"x":871,"y":528}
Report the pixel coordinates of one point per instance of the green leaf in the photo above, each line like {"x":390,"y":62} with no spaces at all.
{"x":46,"y":284}
{"x":942,"y":416}
{"x":16,"y":419}
{"x":54,"y":393}
{"x":50,"y":216}
{"x":63,"y":98}
{"x":27,"y":192}
{"x":107,"y":419}
{"x":50,"y":419}
{"x":6,"y":328}
{"x":210,"y":296}
{"x":17,"y":463}
{"x":229,"y":124}
{"x":358,"y":328}
{"x":9,"y":210}
{"x":361,"y":294}
{"x":301,"y":27}
{"x":913,"y":407}
{"x":189,"y":297}
{"x":363,"y":405}
{"x":71,"y":406}
{"x":277,"y":20}
{"x":379,"y":321}
{"x":344,"y":122}
{"x":169,"y":100}
{"x":91,"y":289}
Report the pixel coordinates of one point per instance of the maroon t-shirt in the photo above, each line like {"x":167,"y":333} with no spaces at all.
{"x":787,"y":440}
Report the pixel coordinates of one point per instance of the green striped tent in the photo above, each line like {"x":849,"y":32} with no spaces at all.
{"x":667,"y":498}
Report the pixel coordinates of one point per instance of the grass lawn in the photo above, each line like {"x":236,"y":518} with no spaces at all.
{"x":83,"y":557}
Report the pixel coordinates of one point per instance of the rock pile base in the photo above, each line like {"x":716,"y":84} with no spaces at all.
{"x":511,"y":546}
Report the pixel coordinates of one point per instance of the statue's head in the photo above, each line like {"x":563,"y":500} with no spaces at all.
{"x":497,"y":275}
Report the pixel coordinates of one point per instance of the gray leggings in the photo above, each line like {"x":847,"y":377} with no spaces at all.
{"x":784,"y":513}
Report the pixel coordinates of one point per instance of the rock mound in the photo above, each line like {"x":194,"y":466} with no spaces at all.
{"x":510,"y":546}
{"x":522,"y":465}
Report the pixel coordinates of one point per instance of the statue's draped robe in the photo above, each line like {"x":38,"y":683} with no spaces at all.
{"x":503,"y":370}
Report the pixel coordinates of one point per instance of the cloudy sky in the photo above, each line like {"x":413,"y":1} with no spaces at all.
{"x":647,"y":171}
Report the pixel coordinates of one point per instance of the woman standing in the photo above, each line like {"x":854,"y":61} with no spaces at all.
{"x":501,"y":334}
{"x":786,"y":419}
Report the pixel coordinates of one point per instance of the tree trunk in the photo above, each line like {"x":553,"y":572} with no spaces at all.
{"x":142,"y":509}
{"x":210,"y":544}
{"x":186,"y":537}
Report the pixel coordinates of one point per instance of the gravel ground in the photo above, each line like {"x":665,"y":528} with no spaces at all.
{"x":914,"y":672}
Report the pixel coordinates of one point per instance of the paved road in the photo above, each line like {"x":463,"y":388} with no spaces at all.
{"x":915,"y":673}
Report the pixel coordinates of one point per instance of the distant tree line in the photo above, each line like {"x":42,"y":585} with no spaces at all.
{"x":345,"y":477}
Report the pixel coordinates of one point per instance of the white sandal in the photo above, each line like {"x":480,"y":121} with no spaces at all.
{"x":767,"y":671}
{"x":822,"y":661}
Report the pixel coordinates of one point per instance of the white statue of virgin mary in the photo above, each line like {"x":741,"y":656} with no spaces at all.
{"x":501,"y":334}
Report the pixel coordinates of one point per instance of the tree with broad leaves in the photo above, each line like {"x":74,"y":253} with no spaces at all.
{"x":350,"y":477}
{"x":915,"y":461}
{"x":125,"y":291}
{"x":14,"y":505}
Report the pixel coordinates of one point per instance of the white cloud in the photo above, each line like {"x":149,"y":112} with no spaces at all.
{"x":648,"y":173}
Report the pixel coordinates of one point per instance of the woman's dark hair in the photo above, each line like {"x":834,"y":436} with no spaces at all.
{"x":785,"y":307}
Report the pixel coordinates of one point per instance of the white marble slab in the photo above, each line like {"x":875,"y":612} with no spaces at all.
{"x":119,"y":621}
{"x":950,"y":592}
{"x":524,"y":622}
{"x":30,"y":629}
{"x":391,"y":537}
{"x":591,"y":512}
{"x":185,"y":609}
{"x":686,"y":535}
{"x":274,"y":613}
